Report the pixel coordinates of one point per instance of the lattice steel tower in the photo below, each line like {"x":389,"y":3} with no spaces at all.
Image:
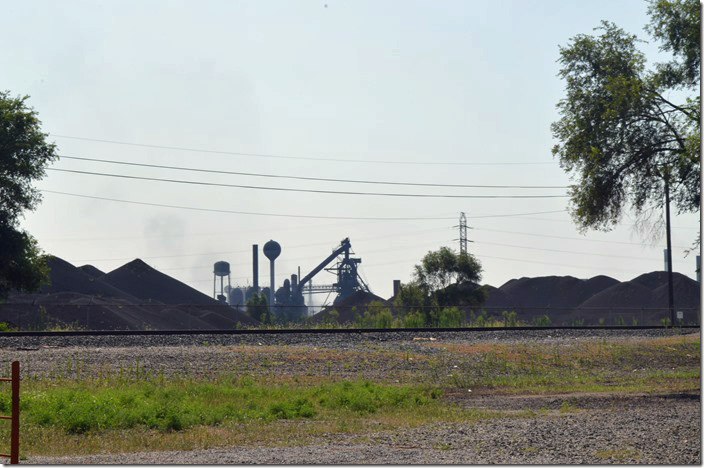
{"x":463,"y":234}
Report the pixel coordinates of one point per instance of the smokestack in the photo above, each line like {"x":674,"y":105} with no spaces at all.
{"x":397,"y":287}
{"x":294,"y":282}
{"x":255,"y":267}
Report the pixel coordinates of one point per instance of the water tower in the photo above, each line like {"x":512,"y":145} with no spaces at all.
{"x":272,"y":250}
{"x":221,"y":269}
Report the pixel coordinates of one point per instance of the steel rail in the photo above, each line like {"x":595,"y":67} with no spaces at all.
{"x":288,"y":331}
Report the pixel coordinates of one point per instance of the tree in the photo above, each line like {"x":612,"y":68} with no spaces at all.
{"x":624,"y":135}
{"x":258,"y":307}
{"x":450,"y":278}
{"x":24,"y":155}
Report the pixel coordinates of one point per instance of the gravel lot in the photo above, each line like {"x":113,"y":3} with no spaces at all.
{"x":596,"y":429}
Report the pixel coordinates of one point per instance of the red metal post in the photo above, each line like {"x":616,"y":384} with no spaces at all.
{"x":15,"y":429}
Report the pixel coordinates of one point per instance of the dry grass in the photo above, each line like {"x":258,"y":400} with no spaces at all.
{"x":634,"y":365}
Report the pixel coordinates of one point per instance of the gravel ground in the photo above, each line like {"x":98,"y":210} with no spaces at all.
{"x":333,"y":340}
{"x":654,"y":430}
{"x":593,"y":429}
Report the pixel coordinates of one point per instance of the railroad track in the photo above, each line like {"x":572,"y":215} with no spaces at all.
{"x":288,"y":331}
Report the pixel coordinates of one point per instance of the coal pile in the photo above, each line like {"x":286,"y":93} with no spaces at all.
{"x":91,"y":271}
{"x":599,"y":300}
{"x":144,"y":282}
{"x":349,"y":308}
{"x":135,"y":296}
{"x":65,"y":277}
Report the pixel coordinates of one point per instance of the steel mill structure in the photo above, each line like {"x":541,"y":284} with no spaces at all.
{"x":288,"y":300}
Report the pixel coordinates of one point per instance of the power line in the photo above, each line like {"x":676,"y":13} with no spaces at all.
{"x":203,"y":267}
{"x":583,"y":267}
{"x":317,"y":179}
{"x":262,"y":155}
{"x":517,"y":214}
{"x":689,"y":228}
{"x":252,"y":213}
{"x":374,"y":265}
{"x":568,"y":238}
{"x":288,"y":247}
{"x":282,"y":189}
{"x":568,"y":251}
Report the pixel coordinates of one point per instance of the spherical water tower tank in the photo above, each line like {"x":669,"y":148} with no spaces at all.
{"x":272,"y":250}
{"x":221,"y":269}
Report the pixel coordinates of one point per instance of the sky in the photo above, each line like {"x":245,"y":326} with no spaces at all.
{"x":414,"y":92}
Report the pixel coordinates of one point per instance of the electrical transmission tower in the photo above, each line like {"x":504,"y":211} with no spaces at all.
{"x":463,"y":234}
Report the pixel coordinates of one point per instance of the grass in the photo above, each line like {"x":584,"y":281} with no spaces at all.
{"x":113,"y":415}
{"x":618,"y":455}
{"x":637,"y":365}
{"x":77,"y":409}
{"x":80,"y":407}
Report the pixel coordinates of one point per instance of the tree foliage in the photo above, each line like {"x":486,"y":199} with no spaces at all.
{"x":623,"y":132}
{"x":443,"y":267}
{"x":258,"y":307}
{"x":24,"y":155}
{"x":450,"y":278}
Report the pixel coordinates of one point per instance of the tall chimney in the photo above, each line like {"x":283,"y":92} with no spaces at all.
{"x":397,"y":287}
{"x":255,"y":267}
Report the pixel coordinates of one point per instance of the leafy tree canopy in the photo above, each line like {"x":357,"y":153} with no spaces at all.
{"x":258,"y":307}
{"x":24,"y":154}
{"x":625,"y":131}
{"x":450,"y":278}
{"x":443,"y":267}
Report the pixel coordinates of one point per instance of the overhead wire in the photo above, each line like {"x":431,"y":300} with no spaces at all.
{"x":564,"y":251}
{"x":288,"y":247}
{"x":254,"y":213}
{"x":284,"y":189}
{"x":263,"y":155}
{"x":568,"y":238}
{"x":317,"y":179}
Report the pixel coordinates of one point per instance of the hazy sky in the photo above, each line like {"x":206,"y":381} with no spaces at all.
{"x":431,"y":92}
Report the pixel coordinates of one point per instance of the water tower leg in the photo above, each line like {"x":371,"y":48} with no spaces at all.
{"x":271,"y":289}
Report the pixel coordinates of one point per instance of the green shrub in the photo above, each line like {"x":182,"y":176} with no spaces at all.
{"x":542,"y":321}
{"x":510,"y":318}
{"x":449,"y":317}
{"x":479,"y":321}
{"x":377,"y":316}
{"x":366,"y":397}
{"x":413,"y":320}
{"x":299,"y":408}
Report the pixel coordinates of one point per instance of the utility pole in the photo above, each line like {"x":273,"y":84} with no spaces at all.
{"x":670,"y":292}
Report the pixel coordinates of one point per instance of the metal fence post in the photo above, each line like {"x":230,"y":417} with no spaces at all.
{"x":15,"y":429}
{"x":14,"y":455}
